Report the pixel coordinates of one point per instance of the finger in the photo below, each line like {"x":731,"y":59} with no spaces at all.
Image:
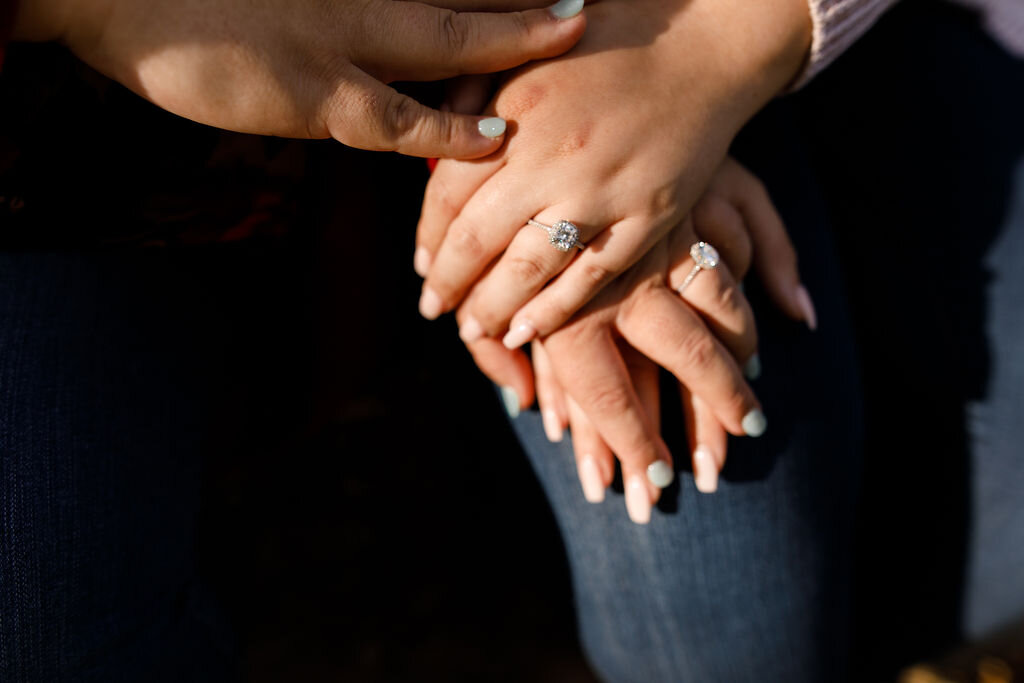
{"x":719,"y":223}
{"x":595,"y":463}
{"x":775,"y":257}
{"x":467,"y":94}
{"x":717,"y":297}
{"x":550,"y":397}
{"x":665,"y":329}
{"x":528,"y":264}
{"x":604,"y":258}
{"x":450,"y":186}
{"x":510,"y":371}
{"x":425,"y":43}
{"x":482,"y":230}
{"x":644,"y":374}
{"x":488,"y":5}
{"x":708,"y":441}
{"x":592,"y":371}
{"x":367,"y":114}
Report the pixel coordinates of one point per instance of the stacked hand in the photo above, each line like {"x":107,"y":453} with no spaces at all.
{"x":598,"y":374}
{"x":621,"y":137}
{"x":307,"y":68}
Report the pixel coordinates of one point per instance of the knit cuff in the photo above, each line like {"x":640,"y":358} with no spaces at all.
{"x":837,"y":25}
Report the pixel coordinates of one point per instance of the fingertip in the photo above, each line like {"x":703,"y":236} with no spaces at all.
{"x":421,"y":261}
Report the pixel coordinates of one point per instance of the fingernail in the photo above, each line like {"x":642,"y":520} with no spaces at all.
{"x":566,"y":9}
{"x":430,"y":304}
{"x":470,"y":330}
{"x":705,"y":468}
{"x":590,"y":480}
{"x":510,"y":398}
{"x":754,"y":423}
{"x":519,"y":335}
{"x":552,"y":426}
{"x":752,"y":369}
{"x":638,"y":500}
{"x":492,"y":127}
{"x":421,"y":261}
{"x":803,"y":301}
{"x":660,"y":473}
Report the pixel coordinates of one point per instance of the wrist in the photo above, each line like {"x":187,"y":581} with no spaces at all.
{"x":743,"y":52}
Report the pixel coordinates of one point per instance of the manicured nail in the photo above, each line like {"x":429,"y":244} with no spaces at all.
{"x":430,"y":304}
{"x":660,"y":473}
{"x":754,"y":423}
{"x":566,"y":9}
{"x":803,"y":301}
{"x":638,"y":500}
{"x":511,"y":400}
{"x":705,"y":470}
{"x":590,"y":480}
{"x":470,"y":330}
{"x":552,"y":426}
{"x":752,"y":368}
{"x":519,"y":335}
{"x":421,"y":261}
{"x":492,"y":127}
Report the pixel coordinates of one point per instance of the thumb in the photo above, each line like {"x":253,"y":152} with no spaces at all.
{"x":367,"y":114}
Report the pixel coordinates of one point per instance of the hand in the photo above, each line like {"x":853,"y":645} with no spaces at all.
{"x":598,"y":375}
{"x":620,"y":136}
{"x":306,"y":69}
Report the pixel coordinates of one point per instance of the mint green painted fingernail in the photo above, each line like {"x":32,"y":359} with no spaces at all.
{"x":511,"y":400}
{"x":752,"y":369}
{"x":566,"y":9}
{"x":493,"y":127}
{"x":660,"y":473}
{"x":754,"y":423}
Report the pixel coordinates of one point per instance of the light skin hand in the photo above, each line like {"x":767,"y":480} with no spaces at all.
{"x":619,"y":136}
{"x":305,"y":69}
{"x":599,"y":375}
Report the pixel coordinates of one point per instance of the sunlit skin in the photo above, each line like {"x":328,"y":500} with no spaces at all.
{"x":307,"y":69}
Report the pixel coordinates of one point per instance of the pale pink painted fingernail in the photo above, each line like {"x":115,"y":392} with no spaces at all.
{"x":421,"y":261}
{"x":430,"y":304}
{"x":470,"y":330}
{"x":590,"y":480}
{"x":803,"y":300}
{"x":552,"y":426}
{"x":638,"y":499}
{"x":705,"y":470}
{"x":519,"y":335}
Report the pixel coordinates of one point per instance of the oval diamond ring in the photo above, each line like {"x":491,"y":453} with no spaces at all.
{"x":705,"y":257}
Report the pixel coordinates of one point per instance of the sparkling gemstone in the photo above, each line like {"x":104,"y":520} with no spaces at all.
{"x":563,"y":235}
{"x":704,"y":255}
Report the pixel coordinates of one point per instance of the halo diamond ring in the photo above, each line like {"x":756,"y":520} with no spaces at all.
{"x":563,"y":235}
{"x":705,"y":257}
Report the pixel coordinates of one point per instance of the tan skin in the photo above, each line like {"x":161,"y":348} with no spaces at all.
{"x":305,"y":69}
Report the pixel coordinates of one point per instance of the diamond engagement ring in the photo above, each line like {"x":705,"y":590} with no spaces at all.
{"x":563,"y":235}
{"x":705,"y":257}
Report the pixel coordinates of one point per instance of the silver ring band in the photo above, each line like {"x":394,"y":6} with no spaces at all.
{"x":563,"y":235}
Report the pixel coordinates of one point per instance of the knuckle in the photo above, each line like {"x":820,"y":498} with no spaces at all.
{"x":609,"y":399}
{"x":697,"y":351}
{"x":456,"y":31}
{"x":466,"y":243}
{"x":730,"y":298}
{"x":526,"y":270}
{"x":596,"y":275}
{"x":398,"y":119}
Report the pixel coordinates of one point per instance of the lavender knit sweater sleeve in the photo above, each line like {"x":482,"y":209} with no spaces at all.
{"x":839,"y":23}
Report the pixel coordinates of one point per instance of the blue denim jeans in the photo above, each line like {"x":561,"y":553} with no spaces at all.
{"x":880,"y":518}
